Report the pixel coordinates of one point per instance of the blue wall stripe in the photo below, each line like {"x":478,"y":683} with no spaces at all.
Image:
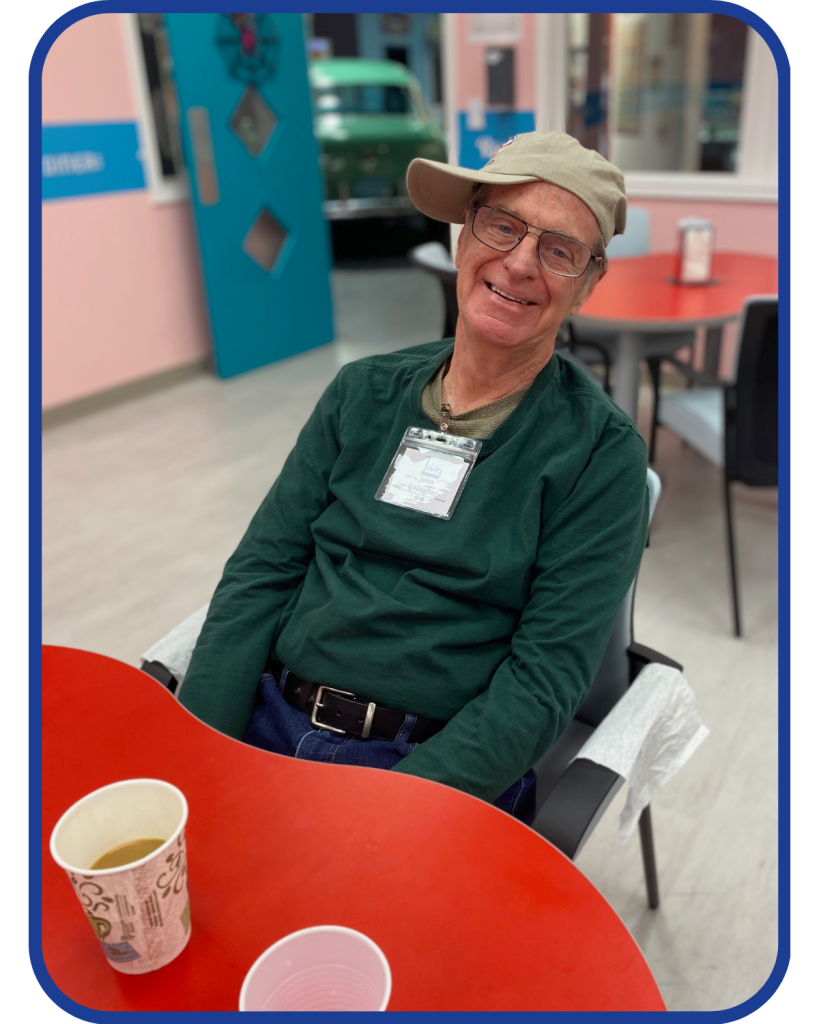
{"x":83,"y":159}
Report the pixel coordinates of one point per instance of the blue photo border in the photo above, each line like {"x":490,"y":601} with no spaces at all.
{"x":35,"y":515}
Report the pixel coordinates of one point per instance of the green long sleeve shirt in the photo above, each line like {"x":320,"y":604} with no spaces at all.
{"x":495,"y":620}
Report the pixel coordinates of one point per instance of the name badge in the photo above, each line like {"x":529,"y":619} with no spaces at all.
{"x":429,"y":472}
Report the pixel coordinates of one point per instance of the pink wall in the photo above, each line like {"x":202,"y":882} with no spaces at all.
{"x":740,"y":227}
{"x":85,"y":77}
{"x":471,"y":65}
{"x":122,"y":296}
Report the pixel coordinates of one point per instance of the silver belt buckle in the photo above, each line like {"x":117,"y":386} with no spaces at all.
{"x":318,"y":704}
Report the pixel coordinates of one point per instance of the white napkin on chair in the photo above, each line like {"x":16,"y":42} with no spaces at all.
{"x":175,"y":649}
{"x":647,"y":737}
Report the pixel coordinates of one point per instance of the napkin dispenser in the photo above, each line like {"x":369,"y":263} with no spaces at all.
{"x":695,"y":253}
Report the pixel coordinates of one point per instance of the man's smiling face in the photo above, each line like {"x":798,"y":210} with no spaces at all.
{"x":535,"y":302}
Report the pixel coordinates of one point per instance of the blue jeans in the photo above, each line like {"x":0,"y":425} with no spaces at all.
{"x":279,"y":727}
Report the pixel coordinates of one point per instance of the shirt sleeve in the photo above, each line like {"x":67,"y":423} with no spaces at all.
{"x":588,"y":555}
{"x":261,"y":579}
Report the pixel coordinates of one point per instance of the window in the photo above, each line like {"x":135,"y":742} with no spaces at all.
{"x":686,"y":104}
{"x":398,"y":53}
{"x":366,"y":99}
{"x":160,"y":135}
{"x":658,"y":92}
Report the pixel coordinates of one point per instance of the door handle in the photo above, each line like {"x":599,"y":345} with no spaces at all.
{"x":204,"y":164}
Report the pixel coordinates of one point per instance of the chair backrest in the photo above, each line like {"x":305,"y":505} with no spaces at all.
{"x":570,"y":357}
{"x":613,"y":677}
{"x":434,"y":258}
{"x":635,"y":239}
{"x":751,"y":430}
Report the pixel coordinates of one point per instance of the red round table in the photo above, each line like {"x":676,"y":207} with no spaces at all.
{"x":473,"y":910}
{"x":637,"y":297}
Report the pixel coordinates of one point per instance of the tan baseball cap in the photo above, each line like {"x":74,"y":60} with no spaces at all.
{"x":441,"y":191}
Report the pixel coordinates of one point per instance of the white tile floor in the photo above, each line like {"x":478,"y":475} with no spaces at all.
{"x":143,"y":502}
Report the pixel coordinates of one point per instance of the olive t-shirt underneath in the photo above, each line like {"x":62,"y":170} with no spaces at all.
{"x":479,"y":423}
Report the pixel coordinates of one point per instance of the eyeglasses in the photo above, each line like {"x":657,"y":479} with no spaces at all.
{"x":557,"y":253}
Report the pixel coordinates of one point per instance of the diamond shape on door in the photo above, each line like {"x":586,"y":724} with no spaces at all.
{"x":265,"y":240}
{"x":253,"y":122}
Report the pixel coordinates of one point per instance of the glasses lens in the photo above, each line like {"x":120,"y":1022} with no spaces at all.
{"x":563,"y":255}
{"x":500,"y":230}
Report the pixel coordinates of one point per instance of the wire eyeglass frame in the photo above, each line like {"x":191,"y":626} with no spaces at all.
{"x":538,"y":233}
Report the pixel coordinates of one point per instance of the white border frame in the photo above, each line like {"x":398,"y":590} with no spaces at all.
{"x":756,"y":177}
{"x":161,"y":191}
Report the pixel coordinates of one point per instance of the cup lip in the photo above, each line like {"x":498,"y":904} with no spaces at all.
{"x":134,"y":863}
{"x":286,"y":939}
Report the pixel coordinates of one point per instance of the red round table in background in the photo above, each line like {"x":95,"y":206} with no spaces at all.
{"x":473,"y":910}
{"x":637,"y":297}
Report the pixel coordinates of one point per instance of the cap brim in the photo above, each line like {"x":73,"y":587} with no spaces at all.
{"x":441,"y":191}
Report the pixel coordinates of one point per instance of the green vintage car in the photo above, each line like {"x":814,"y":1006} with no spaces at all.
{"x":371,"y":121}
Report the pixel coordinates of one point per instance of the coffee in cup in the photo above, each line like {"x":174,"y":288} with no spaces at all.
{"x":123,"y":849}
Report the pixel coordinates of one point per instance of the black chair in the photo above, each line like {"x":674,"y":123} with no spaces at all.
{"x":733,"y":424}
{"x":586,"y":352}
{"x":434,"y":259}
{"x":572,"y":795}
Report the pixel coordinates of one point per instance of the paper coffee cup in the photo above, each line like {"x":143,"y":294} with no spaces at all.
{"x":324,"y":968}
{"x":140,"y":911}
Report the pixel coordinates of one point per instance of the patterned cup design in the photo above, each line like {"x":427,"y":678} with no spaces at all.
{"x":140,"y":912}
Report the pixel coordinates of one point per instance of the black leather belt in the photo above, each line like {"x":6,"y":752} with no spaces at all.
{"x":343,"y":712}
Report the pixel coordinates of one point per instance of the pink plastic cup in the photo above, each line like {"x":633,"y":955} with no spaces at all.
{"x":324,"y":968}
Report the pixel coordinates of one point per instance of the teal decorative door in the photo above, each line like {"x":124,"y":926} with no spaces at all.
{"x":247,"y":134}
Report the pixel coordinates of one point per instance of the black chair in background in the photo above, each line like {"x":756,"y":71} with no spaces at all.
{"x":587,"y":352}
{"x":733,"y":423}
{"x":433,"y":257}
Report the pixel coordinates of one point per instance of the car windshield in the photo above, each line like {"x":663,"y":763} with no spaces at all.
{"x":366,"y":99}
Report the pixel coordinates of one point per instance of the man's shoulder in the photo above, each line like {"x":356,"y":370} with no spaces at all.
{"x":578,"y":387}
{"x":402,"y":360}
{"x":582,"y":413}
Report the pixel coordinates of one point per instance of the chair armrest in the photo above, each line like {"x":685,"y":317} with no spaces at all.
{"x":575,"y":805}
{"x":584,"y":368}
{"x":700,"y":378}
{"x":571,"y":340}
{"x":163,"y":675}
{"x":169,"y":657}
{"x":434,"y":257}
{"x":639,"y":656}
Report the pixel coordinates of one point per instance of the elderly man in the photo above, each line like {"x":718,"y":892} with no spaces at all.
{"x":430,"y":584}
